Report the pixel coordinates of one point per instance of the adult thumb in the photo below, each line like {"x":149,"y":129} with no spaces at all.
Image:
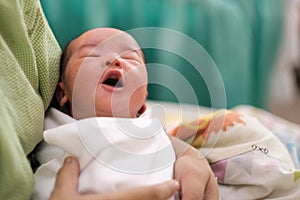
{"x":66,"y":180}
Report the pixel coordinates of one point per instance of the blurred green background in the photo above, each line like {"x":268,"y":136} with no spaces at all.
{"x":241,"y":36}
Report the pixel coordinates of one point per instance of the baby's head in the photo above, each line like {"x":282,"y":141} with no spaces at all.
{"x":103,"y":74}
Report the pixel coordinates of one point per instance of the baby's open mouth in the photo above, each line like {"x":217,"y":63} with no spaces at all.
{"x":113,"y":79}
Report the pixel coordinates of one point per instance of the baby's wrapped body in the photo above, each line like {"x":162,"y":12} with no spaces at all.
{"x":249,"y":161}
{"x":114,"y":153}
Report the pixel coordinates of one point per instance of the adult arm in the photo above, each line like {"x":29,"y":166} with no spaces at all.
{"x":29,"y":56}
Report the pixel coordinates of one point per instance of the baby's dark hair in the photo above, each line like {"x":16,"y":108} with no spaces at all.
{"x":64,"y":60}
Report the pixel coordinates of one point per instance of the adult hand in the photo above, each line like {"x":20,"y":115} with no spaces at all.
{"x":67,"y":182}
{"x":194,"y":174}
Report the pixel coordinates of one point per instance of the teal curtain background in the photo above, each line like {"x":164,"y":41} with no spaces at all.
{"x":241,"y":36}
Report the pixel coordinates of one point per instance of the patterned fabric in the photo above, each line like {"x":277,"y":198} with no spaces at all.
{"x":246,"y":157}
{"x":286,"y":131}
{"x":29,"y":56}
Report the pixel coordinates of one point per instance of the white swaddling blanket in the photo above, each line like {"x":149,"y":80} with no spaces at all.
{"x":114,"y":154}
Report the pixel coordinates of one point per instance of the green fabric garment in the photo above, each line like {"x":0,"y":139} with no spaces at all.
{"x":29,"y":56}
{"x":242,"y":37}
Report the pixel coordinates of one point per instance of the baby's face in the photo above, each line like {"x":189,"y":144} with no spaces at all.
{"x":106,"y":75}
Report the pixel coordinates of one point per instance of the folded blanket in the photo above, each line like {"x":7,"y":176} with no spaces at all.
{"x":286,"y":131}
{"x":249,"y":161}
{"x":114,"y":154}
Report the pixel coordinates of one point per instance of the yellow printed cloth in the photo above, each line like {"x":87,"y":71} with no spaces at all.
{"x":246,"y":157}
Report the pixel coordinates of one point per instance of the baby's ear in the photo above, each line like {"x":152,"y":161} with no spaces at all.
{"x":61,"y":95}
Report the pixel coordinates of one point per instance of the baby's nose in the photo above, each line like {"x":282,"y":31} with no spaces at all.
{"x":113,"y":61}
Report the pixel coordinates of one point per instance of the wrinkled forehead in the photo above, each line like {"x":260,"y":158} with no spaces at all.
{"x":105,"y":42}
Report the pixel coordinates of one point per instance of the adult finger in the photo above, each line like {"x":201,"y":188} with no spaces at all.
{"x":66,"y":180}
{"x":212,"y":191}
{"x":193,"y":183}
{"x":196,"y":178}
{"x":162,"y":191}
